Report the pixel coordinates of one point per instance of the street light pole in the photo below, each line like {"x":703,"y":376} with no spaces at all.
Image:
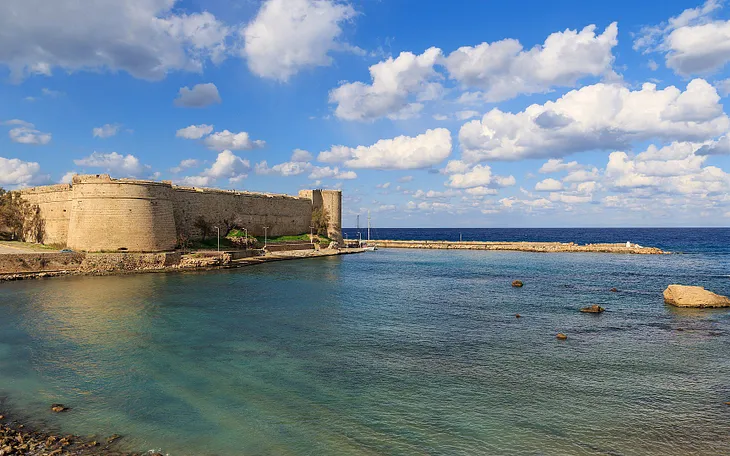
{"x":265,"y":235}
{"x":219,"y":238}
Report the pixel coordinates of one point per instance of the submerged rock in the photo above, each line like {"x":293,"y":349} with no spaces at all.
{"x":561,"y":336}
{"x":58,"y":408}
{"x":517,"y":283}
{"x":692,"y":296}
{"x":113,"y":438}
{"x":595,"y":308}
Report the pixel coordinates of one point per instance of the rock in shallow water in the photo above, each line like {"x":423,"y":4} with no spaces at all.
{"x":58,"y":408}
{"x":691,"y":296}
{"x":595,"y":308}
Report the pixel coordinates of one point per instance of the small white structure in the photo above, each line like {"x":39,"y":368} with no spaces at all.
{"x":628,"y":244}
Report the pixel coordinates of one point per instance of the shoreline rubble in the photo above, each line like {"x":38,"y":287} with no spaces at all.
{"x":17,"y":439}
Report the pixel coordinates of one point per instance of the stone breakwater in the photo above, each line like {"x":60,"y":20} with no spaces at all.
{"x":544,"y":247}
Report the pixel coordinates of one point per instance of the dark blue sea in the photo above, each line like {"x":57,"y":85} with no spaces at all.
{"x":684,"y":240}
{"x":391,"y":352}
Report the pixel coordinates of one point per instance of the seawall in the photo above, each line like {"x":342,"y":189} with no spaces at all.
{"x":543,"y":247}
{"x":24,"y":263}
{"x":40,"y":265}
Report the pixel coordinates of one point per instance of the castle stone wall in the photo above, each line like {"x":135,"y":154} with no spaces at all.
{"x":282,"y":214}
{"x":98,"y":213}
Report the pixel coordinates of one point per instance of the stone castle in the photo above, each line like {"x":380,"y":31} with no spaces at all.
{"x":98,"y":213}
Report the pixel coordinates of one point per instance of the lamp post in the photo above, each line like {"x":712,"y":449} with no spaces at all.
{"x":219,"y":238}
{"x":265,"y":235}
{"x":311,"y":234}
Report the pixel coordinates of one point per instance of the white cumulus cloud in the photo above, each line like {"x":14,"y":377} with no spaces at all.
{"x":114,"y":163}
{"x":403,"y":152}
{"x":600,"y":116}
{"x":106,"y":130}
{"x":301,"y":155}
{"x":549,"y":185}
{"x":503,"y":69}
{"x":394,"y":80}
{"x":199,"y":96}
{"x":334,"y":173}
{"x":233,"y":141}
{"x":29,"y":135}
{"x":19,"y":173}
{"x":692,"y":42}
{"x":227,"y":165}
{"x":287,"y":36}
{"x":146,"y":38}
{"x":194,"y":131}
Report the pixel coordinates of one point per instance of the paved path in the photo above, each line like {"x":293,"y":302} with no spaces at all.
{"x":6,"y":248}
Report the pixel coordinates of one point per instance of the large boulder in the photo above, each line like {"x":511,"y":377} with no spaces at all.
{"x":690,"y":296}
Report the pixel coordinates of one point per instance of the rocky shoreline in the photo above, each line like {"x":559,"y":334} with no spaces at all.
{"x":18,"y":440}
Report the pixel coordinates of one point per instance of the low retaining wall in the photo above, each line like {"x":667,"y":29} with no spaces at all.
{"x":22,"y":263}
{"x":285,"y":247}
{"x":15,"y":263}
{"x":113,"y":262}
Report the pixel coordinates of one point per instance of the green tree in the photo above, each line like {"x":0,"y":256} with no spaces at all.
{"x":203,"y":226}
{"x":19,"y":219}
{"x":320,"y":221}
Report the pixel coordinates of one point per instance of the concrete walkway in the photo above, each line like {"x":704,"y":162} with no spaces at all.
{"x":18,"y":247}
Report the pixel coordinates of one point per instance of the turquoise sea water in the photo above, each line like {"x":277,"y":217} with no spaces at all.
{"x":400,"y":352}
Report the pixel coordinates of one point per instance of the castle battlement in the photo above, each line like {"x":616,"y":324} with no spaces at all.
{"x":97,"y":212}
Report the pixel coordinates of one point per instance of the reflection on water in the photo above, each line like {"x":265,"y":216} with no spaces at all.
{"x":394,"y":352}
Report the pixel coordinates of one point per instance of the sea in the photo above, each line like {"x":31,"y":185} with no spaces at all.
{"x":391,"y":352}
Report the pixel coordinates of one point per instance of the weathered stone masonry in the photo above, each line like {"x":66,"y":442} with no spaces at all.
{"x":98,"y":213}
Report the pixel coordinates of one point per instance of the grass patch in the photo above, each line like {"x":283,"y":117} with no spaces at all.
{"x":30,"y":246}
{"x":234,"y":233}
{"x":210,"y":244}
{"x":292,"y":238}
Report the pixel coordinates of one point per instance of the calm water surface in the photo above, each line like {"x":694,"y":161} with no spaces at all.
{"x":391,"y":352}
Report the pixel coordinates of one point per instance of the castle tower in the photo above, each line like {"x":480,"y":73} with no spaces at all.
{"x":331,"y":202}
{"x":111,"y":214}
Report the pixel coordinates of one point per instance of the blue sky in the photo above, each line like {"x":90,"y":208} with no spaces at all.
{"x":434,"y":114}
